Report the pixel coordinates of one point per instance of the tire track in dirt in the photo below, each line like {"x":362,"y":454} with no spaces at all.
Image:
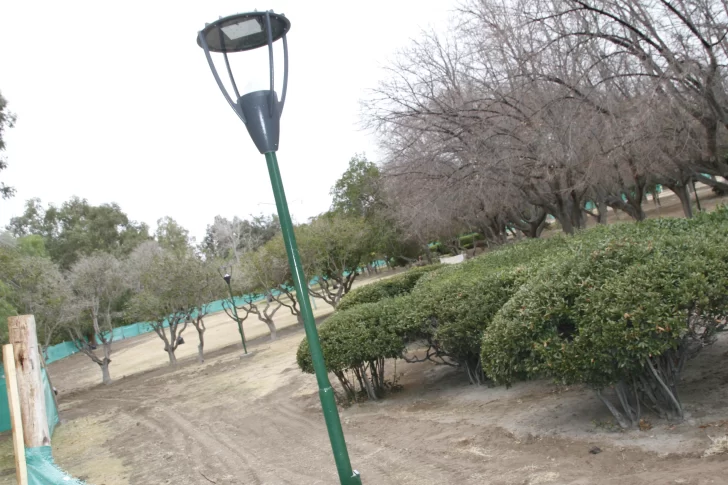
{"x":248,"y":423}
{"x":201,"y":455}
{"x":235,"y":459}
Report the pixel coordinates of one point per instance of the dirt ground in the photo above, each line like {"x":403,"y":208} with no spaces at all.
{"x":257,"y":420}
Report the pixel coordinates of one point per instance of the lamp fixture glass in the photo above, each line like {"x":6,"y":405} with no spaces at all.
{"x":244,"y":31}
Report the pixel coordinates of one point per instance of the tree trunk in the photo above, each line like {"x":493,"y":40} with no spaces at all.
{"x":201,"y":347}
{"x":602,"y":212}
{"x":615,"y":412}
{"x":170,"y":354}
{"x":106,"y":362}
{"x":566,"y":224}
{"x":682,"y":193}
{"x":428,"y":253}
{"x":299,"y":318}
{"x":600,"y":202}
{"x":636,"y":202}
{"x":578,"y":217}
{"x":106,"y":375}
{"x":271,"y":329}
{"x":368,"y":385}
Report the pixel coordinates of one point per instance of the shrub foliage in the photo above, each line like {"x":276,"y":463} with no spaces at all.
{"x":386,"y":288}
{"x":620,"y":307}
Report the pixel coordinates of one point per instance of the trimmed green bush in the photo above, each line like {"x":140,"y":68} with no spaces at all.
{"x":622,"y":306}
{"x":387,"y":288}
{"x":355,"y":344}
{"x":624,"y":311}
{"x":451,"y":309}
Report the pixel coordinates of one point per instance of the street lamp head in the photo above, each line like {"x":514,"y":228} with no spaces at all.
{"x":226,"y":278}
{"x":243,"y":31}
{"x":260,"y":111}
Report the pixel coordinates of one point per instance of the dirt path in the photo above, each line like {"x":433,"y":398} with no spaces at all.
{"x":256,"y":420}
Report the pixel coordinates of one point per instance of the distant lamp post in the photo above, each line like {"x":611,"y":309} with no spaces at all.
{"x":260,"y":111}
{"x":227,"y":278}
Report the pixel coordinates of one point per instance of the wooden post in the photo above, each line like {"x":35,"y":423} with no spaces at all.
{"x":11,"y":381}
{"x":21,"y":330}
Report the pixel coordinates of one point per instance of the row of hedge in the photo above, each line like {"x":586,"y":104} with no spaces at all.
{"x":400,"y":284}
{"x":622,"y":307}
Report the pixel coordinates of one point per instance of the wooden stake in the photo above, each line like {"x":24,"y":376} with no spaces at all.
{"x":21,"y":330}
{"x":11,"y":381}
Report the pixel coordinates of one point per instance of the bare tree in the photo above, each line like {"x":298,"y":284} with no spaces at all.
{"x":534,"y":107}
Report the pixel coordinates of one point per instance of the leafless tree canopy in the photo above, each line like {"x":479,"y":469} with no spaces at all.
{"x":533,"y":107}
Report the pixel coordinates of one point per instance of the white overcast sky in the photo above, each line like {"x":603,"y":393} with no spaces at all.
{"x":115,"y":103}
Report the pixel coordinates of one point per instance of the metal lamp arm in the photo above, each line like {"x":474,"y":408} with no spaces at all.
{"x":271,"y":103}
{"x":285,"y":76}
{"x":233,"y":105}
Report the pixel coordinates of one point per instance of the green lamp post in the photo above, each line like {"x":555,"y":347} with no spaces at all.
{"x":260,"y":111}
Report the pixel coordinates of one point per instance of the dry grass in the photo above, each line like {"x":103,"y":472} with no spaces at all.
{"x":719,"y":446}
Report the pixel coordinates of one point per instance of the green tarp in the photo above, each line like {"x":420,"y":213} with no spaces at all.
{"x":59,"y":351}
{"x":42,"y":470}
{"x":51,"y":411}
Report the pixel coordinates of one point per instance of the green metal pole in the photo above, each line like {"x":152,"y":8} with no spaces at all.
{"x":328,"y":404}
{"x":237,"y":319}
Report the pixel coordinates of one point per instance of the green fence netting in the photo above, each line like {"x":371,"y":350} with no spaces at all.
{"x":51,"y":411}
{"x":42,"y":470}
{"x":59,"y":351}
{"x":4,"y":407}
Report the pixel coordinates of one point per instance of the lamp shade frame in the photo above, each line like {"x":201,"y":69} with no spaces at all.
{"x":264,"y":127}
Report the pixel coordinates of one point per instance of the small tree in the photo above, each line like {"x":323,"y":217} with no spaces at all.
{"x":253,"y":283}
{"x":356,"y":193}
{"x":257,"y":299}
{"x":97,"y":282}
{"x":333,"y":247}
{"x":207,"y":286}
{"x":167,"y":297}
{"x":34,"y":284}
{"x":269,"y":267}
